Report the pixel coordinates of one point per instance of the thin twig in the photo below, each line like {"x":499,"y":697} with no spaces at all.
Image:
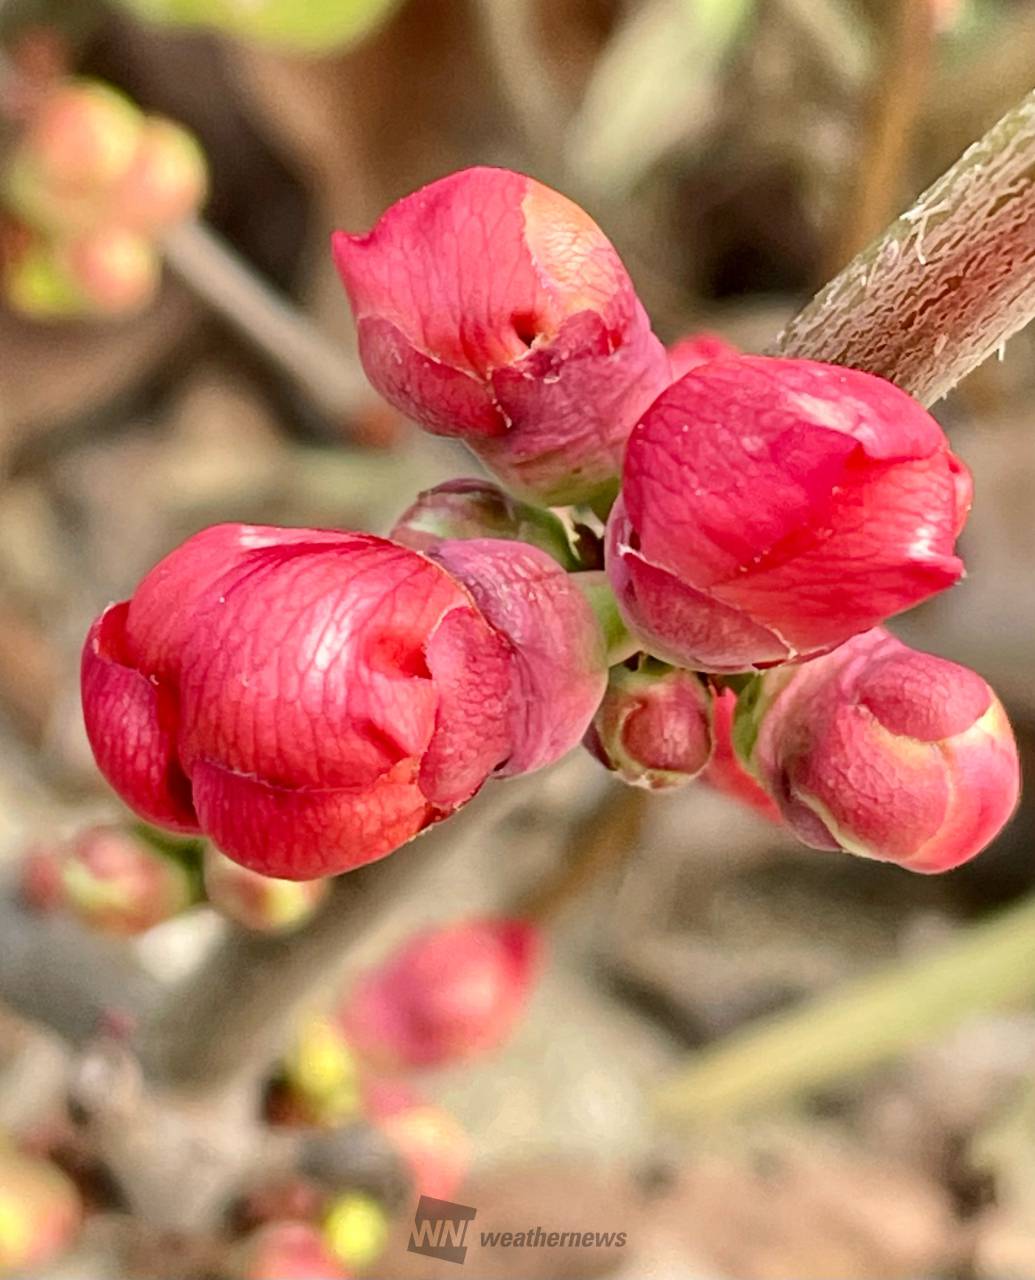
{"x":896,"y":99}
{"x":600,"y":843}
{"x":988,"y":966}
{"x":948,"y":283}
{"x":218,"y":275}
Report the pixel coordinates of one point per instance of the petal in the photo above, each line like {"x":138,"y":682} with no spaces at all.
{"x":559,"y":668}
{"x":471,"y":667}
{"x":571,"y":403}
{"x":308,"y":668}
{"x":302,"y":834}
{"x":131,"y":723}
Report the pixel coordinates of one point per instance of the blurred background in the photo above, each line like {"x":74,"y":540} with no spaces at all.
{"x":753,"y":1059}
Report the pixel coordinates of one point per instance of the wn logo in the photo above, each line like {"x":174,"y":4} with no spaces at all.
{"x":440,"y":1229}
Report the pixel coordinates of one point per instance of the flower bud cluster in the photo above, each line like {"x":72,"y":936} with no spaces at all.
{"x":90,"y":187}
{"x":312,"y":699}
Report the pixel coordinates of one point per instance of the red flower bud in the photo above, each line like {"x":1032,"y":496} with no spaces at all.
{"x":312,"y":699}
{"x":492,"y":308}
{"x":884,"y":752}
{"x":40,"y":1213}
{"x":262,"y":903}
{"x":464,"y":509}
{"x":653,"y":727}
{"x":430,"y":1141}
{"x":284,"y":1251}
{"x":447,"y":995}
{"x":725,"y":772}
{"x":770,"y":509}
{"x":117,"y":883}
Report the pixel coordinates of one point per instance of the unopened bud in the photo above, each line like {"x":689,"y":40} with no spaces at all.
{"x":115,"y":882}
{"x":471,"y":508}
{"x":356,"y":1229}
{"x":258,"y":902}
{"x":653,"y":727}
{"x":166,"y":180}
{"x":40,"y":1212}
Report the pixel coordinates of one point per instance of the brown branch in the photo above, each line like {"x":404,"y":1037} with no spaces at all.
{"x":948,"y":283}
{"x":896,"y":99}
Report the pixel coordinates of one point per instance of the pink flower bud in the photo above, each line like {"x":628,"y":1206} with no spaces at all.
{"x":40,"y":883}
{"x":697,"y":349}
{"x":771,"y":508}
{"x":492,"y":308}
{"x":447,"y":995}
{"x":117,"y":883}
{"x":885,"y":752}
{"x":430,"y":1141}
{"x":312,"y":699}
{"x":262,"y":903}
{"x":115,"y":271}
{"x":653,"y":727}
{"x":463,"y":509}
{"x":40,"y":1213}
{"x":725,"y":772}
{"x":80,"y":142}
{"x":166,"y":180}
{"x":284,"y":1251}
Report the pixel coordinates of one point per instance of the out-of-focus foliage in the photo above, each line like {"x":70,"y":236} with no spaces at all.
{"x":313,"y":25}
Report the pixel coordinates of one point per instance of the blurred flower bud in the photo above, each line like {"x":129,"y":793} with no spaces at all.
{"x":115,"y":882}
{"x":116,"y":271}
{"x":461,"y":509}
{"x":448,"y":994}
{"x":38,"y":284}
{"x":492,"y":308}
{"x":356,"y":1229}
{"x":40,"y":1213}
{"x":284,"y":1251}
{"x":725,"y":772}
{"x":697,"y":349}
{"x":653,"y":727}
{"x":258,"y":902}
{"x":80,"y":142}
{"x":771,"y":509}
{"x":166,"y":180}
{"x":40,"y":882}
{"x":884,"y":752}
{"x":431,"y":1143}
{"x":320,"y":1074}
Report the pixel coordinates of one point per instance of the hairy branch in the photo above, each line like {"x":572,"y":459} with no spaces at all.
{"x":948,"y":283}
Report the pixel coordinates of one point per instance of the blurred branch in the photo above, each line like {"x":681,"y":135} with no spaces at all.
{"x":213,"y":271}
{"x":948,"y":283}
{"x":601,"y":842}
{"x":896,"y":99}
{"x":57,"y":973}
{"x":987,"y":966}
{"x":655,"y":86}
{"x":226,"y":1023}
